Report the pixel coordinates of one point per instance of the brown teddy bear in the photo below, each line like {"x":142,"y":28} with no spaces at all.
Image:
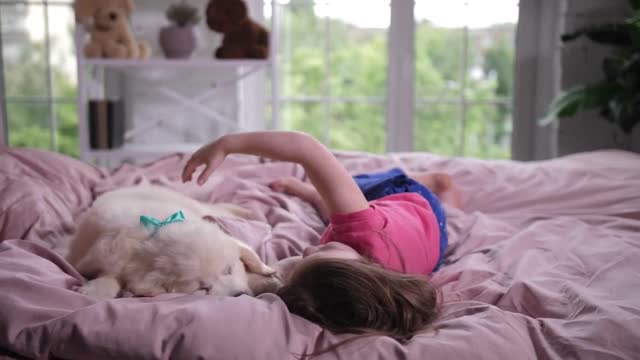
{"x":243,"y":37}
{"x":108,"y":24}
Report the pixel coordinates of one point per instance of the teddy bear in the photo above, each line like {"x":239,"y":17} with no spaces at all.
{"x":242,"y":37}
{"x":108,"y":24}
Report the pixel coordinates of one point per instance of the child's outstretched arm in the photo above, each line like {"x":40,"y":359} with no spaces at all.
{"x":338,"y":190}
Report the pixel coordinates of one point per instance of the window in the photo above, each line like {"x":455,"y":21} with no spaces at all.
{"x":38,"y":65}
{"x":334,"y":73}
{"x":464,"y":76}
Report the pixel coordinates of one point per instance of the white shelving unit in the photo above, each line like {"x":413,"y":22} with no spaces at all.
{"x":92,"y":72}
{"x":123,"y":64}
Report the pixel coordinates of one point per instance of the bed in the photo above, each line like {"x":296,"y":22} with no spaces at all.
{"x":544,"y":263}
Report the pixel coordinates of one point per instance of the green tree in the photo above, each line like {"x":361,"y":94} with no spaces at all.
{"x":28,"y":121}
{"x":438,"y":60}
{"x":358,"y":68}
{"x":499,"y":64}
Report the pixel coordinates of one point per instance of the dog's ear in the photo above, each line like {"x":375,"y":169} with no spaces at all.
{"x":252,"y":261}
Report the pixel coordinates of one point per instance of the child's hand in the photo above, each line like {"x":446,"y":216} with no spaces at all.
{"x":211,"y":155}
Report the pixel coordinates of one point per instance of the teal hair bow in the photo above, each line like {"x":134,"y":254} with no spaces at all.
{"x":153,"y":224}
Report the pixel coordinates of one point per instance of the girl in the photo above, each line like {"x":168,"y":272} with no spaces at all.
{"x":367,"y":276}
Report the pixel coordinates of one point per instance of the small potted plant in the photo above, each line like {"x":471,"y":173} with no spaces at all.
{"x":178,"y":40}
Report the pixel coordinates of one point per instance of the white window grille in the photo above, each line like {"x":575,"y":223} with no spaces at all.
{"x":33,"y":105}
{"x":398,"y":115}
{"x":412,"y":107}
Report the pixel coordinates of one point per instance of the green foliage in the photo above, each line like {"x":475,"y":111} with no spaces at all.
{"x":183,"y":14}
{"x":616,"y":34}
{"x":578,"y":99}
{"x":499,"y":62}
{"x":358,"y":68}
{"x":617,"y":95}
{"x":438,"y":59}
{"x":28,"y":121}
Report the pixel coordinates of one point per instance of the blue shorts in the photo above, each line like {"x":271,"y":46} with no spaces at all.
{"x":395,"y":181}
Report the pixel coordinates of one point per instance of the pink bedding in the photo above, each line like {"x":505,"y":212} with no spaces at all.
{"x":544,"y":264}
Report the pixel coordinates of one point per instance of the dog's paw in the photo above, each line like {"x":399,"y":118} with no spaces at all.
{"x":148,"y":290}
{"x":94,"y":291}
{"x":101,"y":288}
{"x":126,"y":293}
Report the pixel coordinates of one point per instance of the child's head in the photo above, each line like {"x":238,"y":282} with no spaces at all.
{"x":360,"y":297}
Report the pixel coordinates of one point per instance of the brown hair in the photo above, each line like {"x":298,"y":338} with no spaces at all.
{"x":360,"y":297}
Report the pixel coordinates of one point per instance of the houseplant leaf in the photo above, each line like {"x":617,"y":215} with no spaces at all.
{"x":580,"y":98}
{"x":622,"y":110}
{"x":612,"y":67}
{"x":634,"y":23}
{"x":183,"y":14}
{"x":617,"y":34}
{"x":632,"y":64}
{"x":629,"y":76}
{"x":617,"y":96}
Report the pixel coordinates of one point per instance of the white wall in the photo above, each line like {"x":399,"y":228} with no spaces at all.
{"x":581,"y":62}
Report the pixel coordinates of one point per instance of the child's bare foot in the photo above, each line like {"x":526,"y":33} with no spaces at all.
{"x":304,"y":191}
{"x":442,"y":185}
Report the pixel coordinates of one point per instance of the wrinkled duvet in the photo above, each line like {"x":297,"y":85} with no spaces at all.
{"x":544,"y":263}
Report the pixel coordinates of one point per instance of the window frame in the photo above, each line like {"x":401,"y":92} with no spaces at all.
{"x":325,"y":100}
{"x":4,"y":131}
{"x":401,"y":98}
{"x":462,"y":100}
{"x":50,"y":100}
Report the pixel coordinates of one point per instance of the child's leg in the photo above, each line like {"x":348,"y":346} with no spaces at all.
{"x":440,"y":184}
{"x":304,"y":191}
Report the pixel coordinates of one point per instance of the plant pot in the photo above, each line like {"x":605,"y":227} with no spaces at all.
{"x":177,"y":42}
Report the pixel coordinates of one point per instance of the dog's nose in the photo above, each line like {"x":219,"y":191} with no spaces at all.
{"x":113,"y":16}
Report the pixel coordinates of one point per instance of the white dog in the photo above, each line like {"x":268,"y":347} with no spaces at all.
{"x":150,"y":240}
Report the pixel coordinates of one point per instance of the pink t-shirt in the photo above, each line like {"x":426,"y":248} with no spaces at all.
{"x":399,"y":231}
